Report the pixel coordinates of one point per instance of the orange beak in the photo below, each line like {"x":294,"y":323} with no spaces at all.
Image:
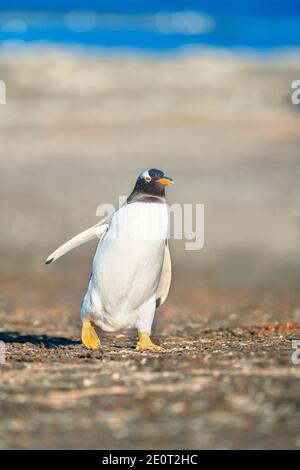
{"x":166,"y":180}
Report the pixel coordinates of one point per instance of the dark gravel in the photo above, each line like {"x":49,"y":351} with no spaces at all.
{"x":225,"y":380}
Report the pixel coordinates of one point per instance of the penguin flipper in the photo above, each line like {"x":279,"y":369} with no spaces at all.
{"x":165,"y":278}
{"x":97,"y":231}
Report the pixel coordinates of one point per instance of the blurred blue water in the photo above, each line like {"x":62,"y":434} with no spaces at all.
{"x":153,"y":25}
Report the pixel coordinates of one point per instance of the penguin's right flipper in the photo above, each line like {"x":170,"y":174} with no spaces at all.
{"x":97,"y":231}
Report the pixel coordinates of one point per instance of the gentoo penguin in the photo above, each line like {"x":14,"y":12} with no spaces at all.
{"x":131,"y":272}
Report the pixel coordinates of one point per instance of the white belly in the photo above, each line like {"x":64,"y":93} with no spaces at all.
{"x":127,"y":265}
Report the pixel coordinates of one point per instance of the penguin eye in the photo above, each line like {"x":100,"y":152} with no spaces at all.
{"x":148,"y":179}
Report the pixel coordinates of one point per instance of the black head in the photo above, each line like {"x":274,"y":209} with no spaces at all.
{"x":152,"y":182}
{"x":150,"y":186}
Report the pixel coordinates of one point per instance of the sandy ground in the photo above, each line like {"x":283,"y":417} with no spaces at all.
{"x":74,"y":133}
{"x":225,"y":379}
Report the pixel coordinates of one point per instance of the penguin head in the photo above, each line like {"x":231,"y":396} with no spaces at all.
{"x":153,"y":181}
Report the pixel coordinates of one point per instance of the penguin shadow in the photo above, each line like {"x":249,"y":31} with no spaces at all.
{"x":49,"y":342}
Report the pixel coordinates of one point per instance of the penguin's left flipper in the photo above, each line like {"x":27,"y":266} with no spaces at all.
{"x":89,"y":335}
{"x":145,"y":343}
{"x":165,"y":278}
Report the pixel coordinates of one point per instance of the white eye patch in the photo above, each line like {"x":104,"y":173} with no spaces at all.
{"x":146,"y":176}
